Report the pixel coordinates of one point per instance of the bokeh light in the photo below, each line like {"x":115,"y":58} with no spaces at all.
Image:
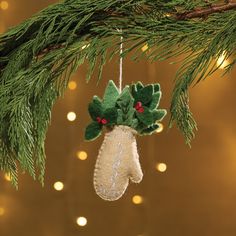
{"x":85,"y":46}
{"x":82,"y":155}
{"x":161,"y":167}
{"x":160,"y":128}
{"x":81,"y":221}
{"x":7,"y":177}
{"x":71,"y":116}
{"x":137,"y":199}
{"x":4,"y":5}
{"x":72,"y":85}
{"x":222,"y":62}
{"x":145,"y":48}
{"x":58,"y":186}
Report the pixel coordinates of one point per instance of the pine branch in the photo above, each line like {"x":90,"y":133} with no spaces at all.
{"x":204,"y":12}
{"x":38,"y":57}
{"x":197,"y":13}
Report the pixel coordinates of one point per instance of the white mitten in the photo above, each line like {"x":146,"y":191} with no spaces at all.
{"x":118,"y":161}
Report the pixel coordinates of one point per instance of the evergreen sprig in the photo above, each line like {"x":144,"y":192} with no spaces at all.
{"x":38,"y":56}
{"x":135,"y":107}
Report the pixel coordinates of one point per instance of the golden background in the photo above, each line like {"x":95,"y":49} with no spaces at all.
{"x":195,"y":196}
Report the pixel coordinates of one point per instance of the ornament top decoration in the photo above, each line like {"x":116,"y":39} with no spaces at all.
{"x":135,"y":107}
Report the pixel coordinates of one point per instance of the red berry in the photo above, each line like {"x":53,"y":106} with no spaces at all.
{"x":104,"y":121}
{"x":138,"y":105}
{"x":141,"y":110}
{"x":99,"y":119}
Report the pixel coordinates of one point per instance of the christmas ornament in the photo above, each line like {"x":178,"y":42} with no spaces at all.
{"x":124,"y":115}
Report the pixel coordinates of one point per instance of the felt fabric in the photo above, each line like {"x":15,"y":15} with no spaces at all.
{"x":111,"y":115}
{"x":117,"y":163}
{"x":159,"y":114}
{"x":125,"y":99}
{"x":133,"y":111}
{"x":95,"y":108}
{"x":145,"y":94}
{"x":155,"y":100}
{"x":93,"y":131}
{"x":136,"y":107}
{"x":110,"y":95}
{"x":146,"y":117}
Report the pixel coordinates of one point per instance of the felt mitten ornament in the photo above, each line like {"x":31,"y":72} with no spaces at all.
{"x":124,"y":115}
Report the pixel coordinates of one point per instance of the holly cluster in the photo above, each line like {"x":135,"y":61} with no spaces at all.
{"x":136,"y":107}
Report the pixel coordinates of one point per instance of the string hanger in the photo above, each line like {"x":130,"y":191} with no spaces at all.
{"x":121,"y":62}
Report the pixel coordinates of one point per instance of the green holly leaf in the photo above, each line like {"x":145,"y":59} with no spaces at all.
{"x":120,"y":117}
{"x":145,"y":94}
{"x":95,"y":108}
{"x":139,"y":86}
{"x":126,"y":103}
{"x":134,"y":123}
{"x":130,"y":113}
{"x":150,"y":129}
{"x":146,"y":117}
{"x":111,"y":115}
{"x":140,"y":127}
{"x":118,"y":109}
{"x":155,"y":100}
{"x":157,"y":88}
{"x":159,"y":114}
{"x":111,"y":95}
{"x":125,"y":99}
{"x":129,"y":117}
{"x":93,"y":131}
{"x":135,"y":89}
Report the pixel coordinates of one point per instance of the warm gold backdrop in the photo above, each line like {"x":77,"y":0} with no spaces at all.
{"x":196,"y":196}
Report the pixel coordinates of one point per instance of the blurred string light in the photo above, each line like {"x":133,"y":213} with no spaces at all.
{"x":72,"y":85}
{"x":222,"y":62}
{"x":4,"y":5}
{"x":137,"y":199}
{"x":144,"y":48}
{"x":160,"y":128}
{"x":7,"y":177}
{"x":161,"y":167}
{"x":2,"y":211}
{"x":82,"y":155}
{"x":71,"y":116}
{"x":85,"y":46}
{"x":58,"y":186}
{"x":81,"y":221}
